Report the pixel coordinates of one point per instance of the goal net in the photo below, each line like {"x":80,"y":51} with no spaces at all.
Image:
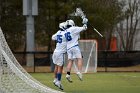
{"x":89,"y":53}
{"x":13,"y":78}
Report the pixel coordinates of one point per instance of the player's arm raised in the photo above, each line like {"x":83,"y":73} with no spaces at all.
{"x":83,"y":28}
{"x":85,"y":21}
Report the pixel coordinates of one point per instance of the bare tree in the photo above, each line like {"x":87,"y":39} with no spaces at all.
{"x":128,"y":27}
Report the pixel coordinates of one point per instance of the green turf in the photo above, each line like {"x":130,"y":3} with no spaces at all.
{"x":96,"y":83}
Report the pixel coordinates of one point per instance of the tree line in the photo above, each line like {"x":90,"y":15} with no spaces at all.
{"x":104,"y":15}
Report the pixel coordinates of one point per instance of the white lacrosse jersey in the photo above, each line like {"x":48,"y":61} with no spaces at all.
{"x":61,"y":41}
{"x":72,"y":35}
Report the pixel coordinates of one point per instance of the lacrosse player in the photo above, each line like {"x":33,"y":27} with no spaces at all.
{"x":58,"y":54}
{"x":73,"y":51}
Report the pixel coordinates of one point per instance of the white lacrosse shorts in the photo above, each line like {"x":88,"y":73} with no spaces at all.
{"x":58,"y":58}
{"x":74,"y":52}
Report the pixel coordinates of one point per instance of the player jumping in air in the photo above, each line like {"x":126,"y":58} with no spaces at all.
{"x":58,"y":54}
{"x":73,"y":51}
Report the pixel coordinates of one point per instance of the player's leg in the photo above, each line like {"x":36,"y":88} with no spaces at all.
{"x":54,"y":58}
{"x":69,"y":66}
{"x":78,"y":56}
{"x":55,"y":74}
{"x":60,"y":63}
{"x":59,"y":75}
{"x":59,"y":72}
{"x":80,"y":64}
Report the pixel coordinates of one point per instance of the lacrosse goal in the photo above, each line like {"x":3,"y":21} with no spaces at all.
{"x":13,"y":78}
{"x":89,"y":53}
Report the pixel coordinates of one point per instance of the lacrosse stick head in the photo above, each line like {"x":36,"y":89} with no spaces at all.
{"x":80,"y":13}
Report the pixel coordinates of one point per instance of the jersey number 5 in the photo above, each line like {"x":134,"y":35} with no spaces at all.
{"x":59,"y":38}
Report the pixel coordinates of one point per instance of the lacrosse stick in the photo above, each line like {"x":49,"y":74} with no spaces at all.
{"x":80,"y":13}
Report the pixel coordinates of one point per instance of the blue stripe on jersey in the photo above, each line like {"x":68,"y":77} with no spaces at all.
{"x":73,"y":46}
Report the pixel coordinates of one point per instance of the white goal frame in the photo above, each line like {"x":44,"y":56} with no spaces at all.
{"x":89,"y":50}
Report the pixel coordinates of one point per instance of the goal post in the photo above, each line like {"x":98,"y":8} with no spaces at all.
{"x":89,"y":52}
{"x":13,"y":78}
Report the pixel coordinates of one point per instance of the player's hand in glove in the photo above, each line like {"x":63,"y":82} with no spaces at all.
{"x":85,"y":20}
{"x":85,"y":26}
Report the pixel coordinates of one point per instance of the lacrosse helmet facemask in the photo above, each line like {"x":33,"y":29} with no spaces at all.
{"x":70,"y":23}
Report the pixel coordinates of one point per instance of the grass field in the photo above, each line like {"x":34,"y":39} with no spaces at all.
{"x":117,"y":82}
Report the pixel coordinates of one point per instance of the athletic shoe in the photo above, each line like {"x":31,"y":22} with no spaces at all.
{"x":79,"y":76}
{"x":59,"y":85}
{"x":68,"y":78}
{"x":54,"y":81}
